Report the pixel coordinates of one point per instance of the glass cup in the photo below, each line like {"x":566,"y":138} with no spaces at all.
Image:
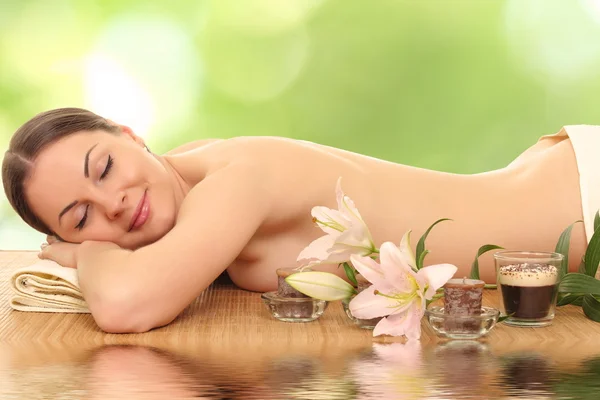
{"x":528,"y":286}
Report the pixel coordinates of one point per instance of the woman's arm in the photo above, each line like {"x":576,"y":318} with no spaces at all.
{"x":135,"y":291}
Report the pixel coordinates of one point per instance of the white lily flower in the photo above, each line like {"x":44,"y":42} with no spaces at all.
{"x":346,"y":233}
{"x":398,"y":292}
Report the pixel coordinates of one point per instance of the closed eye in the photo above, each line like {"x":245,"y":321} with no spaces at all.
{"x":81,"y":223}
{"x":109,"y":165}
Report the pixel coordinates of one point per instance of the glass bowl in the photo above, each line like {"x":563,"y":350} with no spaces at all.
{"x":361,"y":323}
{"x":293,"y":309}
{"x":462,"y":326}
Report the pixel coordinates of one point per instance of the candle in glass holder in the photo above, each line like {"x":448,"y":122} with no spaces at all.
{"x":463,"y":296}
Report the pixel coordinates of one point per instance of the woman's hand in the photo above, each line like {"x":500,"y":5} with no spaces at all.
{"x":63,"y":253}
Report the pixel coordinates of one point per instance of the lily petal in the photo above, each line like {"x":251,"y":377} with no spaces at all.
{"x":406,"y":249}
{"x":348,"y":208}
{"x":368,"y":268}
{"x":329,"y":220}
{"x":387,"y":327}
{"x":317,"y":249}
{"x":436,"y":276}
{"x":407,"y":323}
{"x":358,"y":238}
{"x":346,"y":205}
{"x":320,"y":285}
{"x":415,"y":316}
{"x":367,"y":305}
{"x":340,"y":253}
{"x":395,"y":268}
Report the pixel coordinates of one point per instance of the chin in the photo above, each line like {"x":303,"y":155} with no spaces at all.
{"x":156,"y":232}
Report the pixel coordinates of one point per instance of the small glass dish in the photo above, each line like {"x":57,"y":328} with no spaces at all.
{"x":462,"y":326}
{"x":361,"y":323}
{"x":294,"y":309}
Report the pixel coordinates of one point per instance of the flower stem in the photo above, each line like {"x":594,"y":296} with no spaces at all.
{"x":437,"y":296}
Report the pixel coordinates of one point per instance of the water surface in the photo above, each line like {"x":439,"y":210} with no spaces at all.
{"x":450,"y":370}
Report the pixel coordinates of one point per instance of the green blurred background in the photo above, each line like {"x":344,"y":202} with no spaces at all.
{"x":458,"y":86}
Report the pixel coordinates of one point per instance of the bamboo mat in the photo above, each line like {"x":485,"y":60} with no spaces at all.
{"x":225,"y":316}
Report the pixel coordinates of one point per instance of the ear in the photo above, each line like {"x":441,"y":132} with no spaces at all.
{"x":127,"y":131}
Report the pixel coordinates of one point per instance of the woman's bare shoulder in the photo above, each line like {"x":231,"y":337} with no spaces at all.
{"x":192,"y":146}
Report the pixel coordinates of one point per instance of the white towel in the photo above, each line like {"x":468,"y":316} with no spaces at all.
{"x":47,"y":287}
{"x":585,"y":140}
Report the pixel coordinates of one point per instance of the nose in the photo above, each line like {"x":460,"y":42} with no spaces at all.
{"x":114,"y":205}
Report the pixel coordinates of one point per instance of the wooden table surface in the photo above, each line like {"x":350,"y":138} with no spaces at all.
{"x":224,"y":314}
{"x":228,"y":338}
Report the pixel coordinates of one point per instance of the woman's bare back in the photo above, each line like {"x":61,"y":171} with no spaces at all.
{"x":517,"y":207}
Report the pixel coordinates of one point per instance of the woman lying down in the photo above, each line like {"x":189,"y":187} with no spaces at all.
{"x":148,"y":233}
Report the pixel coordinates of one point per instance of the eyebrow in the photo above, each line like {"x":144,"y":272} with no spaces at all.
{"x":86,"y":169}
{"x":65,"y":210}
{"x":86,"y":173}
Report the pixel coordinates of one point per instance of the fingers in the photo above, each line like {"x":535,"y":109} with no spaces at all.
{"x":62,"y":253}
{"x":51,"y":239}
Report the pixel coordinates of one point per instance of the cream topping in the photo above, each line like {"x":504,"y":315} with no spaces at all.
{"x":526,"y":274}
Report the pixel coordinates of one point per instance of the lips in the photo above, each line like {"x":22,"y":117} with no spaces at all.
{"x":141,"y":213}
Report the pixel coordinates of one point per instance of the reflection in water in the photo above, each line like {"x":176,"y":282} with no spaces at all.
{"x":451,"y":370}
{"x":526,"y":374}
{"x":462,"y":369}
{"x":389,"y":372}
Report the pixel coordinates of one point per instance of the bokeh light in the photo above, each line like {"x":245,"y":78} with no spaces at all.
{"x":251,"y":67}
{"x":263,"y":17}
{"x":593,"y":7}
{"x":458,"y":86}
{"x":113,"y":93}
{"x":548,"y":45}
{"x":144,"y":72}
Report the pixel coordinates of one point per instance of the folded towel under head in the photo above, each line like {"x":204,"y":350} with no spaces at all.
{"x":47,"y":287}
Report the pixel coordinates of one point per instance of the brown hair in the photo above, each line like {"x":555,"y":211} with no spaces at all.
{"x":31,"y":138}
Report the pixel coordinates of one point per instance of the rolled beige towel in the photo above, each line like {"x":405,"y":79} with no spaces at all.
{"x":47,"y":287}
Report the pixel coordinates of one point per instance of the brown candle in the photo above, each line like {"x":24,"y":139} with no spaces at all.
{"x":283,"y":288}
{"x":463,"y":296}
{"x":292,"y":309}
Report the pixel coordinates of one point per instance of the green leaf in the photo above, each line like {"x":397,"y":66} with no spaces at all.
{"x":592,"y":255}
{"x":475,"y":266}
{"x":562,"y":247}
{"x":578,"y":302}
{"x":591,"y":307}
{"x":321,"y":285}
{"x":421,"y":243}
{"x":575,"y":282}
{"x":597,"y":220}
{"x":569,"y":298}
{"x":421,"y":258}
{"x":502,"y":318}
{"x":350,"y":273}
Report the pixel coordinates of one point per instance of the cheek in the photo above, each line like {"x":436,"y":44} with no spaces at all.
{"x":145,"y":171}
{"x":99,"y":231}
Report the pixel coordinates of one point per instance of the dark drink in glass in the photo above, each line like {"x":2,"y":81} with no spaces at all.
{"x":528,"y":284}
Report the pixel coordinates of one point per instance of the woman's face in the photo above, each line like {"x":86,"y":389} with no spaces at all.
{"x":105,"y":187}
